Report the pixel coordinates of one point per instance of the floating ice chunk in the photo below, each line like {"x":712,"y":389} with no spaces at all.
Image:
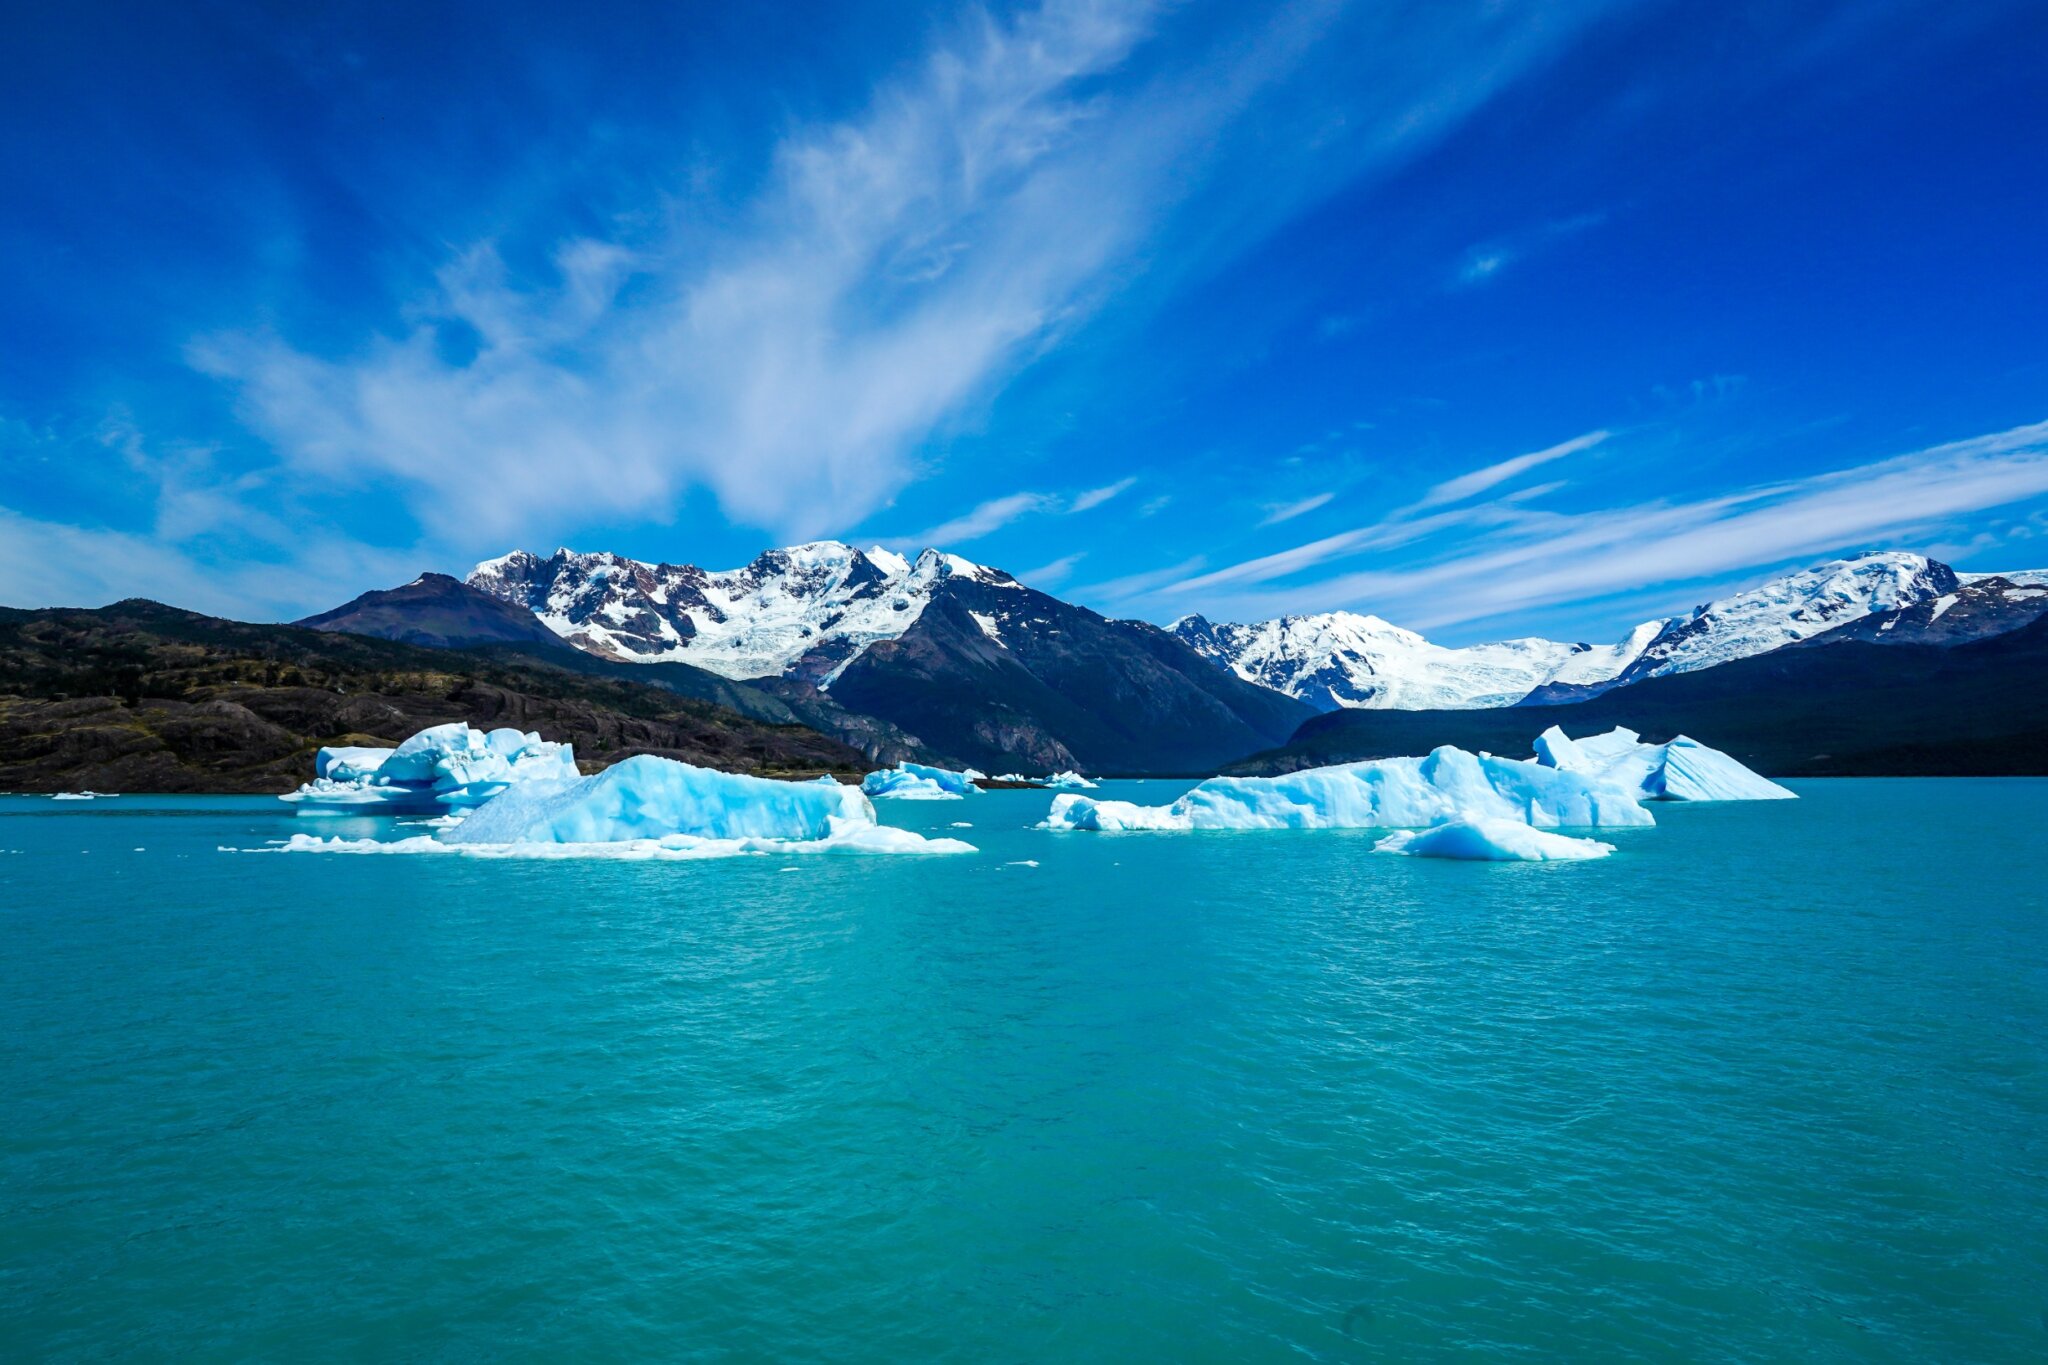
{"x":647,"y":797}
{"x":1069,"y":780}
{"x":77,"y":796}
{"x":1383,"y":793}
{"x":916,"y":782}
{"x":656,"y":808}
{"x":442,"y":767}
{"x":348,"y":763}
{"x":1480,"y":838}
{"x":674,"y":809}
{"x":1682,"y":770}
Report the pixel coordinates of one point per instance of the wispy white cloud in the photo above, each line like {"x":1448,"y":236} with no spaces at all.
{"x":1288,"y":511}
{"x":1055,"y":573}
{"x":996,"y":513}
{"x":895,"y":270}
{"x":1137,"y":585}
{"x":1479,"y":480}
{"x":1487,"y":260}
{"x":985,"y":518}
{"x":59,"y":564}
{"x":1095,"y":497}
{"x":1531,"y":560}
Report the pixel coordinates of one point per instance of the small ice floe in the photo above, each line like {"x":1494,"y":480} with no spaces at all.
{"x":916,"y":782}
{"x":442,"y":768}
{"x":1022,"y":862}
{"x":961,"y":824}
{"x":1480,"y":839}
{"x":81,"y":796}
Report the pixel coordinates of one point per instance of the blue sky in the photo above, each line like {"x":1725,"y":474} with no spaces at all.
{"x":1489,"y":318}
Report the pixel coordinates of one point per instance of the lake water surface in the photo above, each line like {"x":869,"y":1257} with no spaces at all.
{"x":1769,"y":1084}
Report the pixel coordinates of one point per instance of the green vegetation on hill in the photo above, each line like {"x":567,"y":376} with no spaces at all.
{"x":139,"y":696}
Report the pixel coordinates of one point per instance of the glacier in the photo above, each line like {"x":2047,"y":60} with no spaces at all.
{"x":443,"y":767}
{"x":652,"y":808}
{"x":1481,"y":839}
{"x":1682,"y":770}
{"x":917,"y":782}
{"x":1381,"y":793}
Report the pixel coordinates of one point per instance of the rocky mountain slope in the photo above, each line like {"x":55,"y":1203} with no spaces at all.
{"x":435,"y":609}
{"x":999,"y":674}
{"x":1977,"y":608}
{"x":976,"y":665}
{"x":143,"y":697}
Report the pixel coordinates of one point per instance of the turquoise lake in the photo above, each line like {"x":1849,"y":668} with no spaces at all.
{"x":1770,"y":1084}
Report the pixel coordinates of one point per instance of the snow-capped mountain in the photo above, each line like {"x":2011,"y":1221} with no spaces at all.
{"x":956,"y":656}
{"x":1340,"y":658}
{"x":1794,"y":607}
{"x":1343,"y":660}
{"x":804,"y":612}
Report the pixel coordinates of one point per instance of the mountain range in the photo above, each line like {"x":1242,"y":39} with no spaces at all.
{"x":824,"y":656}
{"x":935,"y":656}
{"x":1340,"y":659}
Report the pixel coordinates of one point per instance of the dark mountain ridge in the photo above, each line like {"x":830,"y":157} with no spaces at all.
{"x":1002,"y":675}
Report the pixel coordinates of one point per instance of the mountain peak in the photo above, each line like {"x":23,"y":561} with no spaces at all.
{"x":798,"y":610}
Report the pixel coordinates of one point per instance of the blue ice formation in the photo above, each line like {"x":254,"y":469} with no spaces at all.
{"x":1382,"y":793}
{"x":442,"y":768}
{"x":916,"y":782}
{"x":1481,"y":839}
{"x":654,"y":805}
{"x":1069,"y":781}
{"x":1682,"y":770}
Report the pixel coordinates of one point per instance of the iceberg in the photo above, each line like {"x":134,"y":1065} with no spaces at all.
{"x":444,"y":767}
{"x":648,"y":797}
{"x":1682,"y":770}
{"x":1069,"y":780}
{"x":652,"y":808}
{"x":348,"y":763}
{"x":1479,"y":838}
{"x":1382,"y":793}
{"x":916,"y":782}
